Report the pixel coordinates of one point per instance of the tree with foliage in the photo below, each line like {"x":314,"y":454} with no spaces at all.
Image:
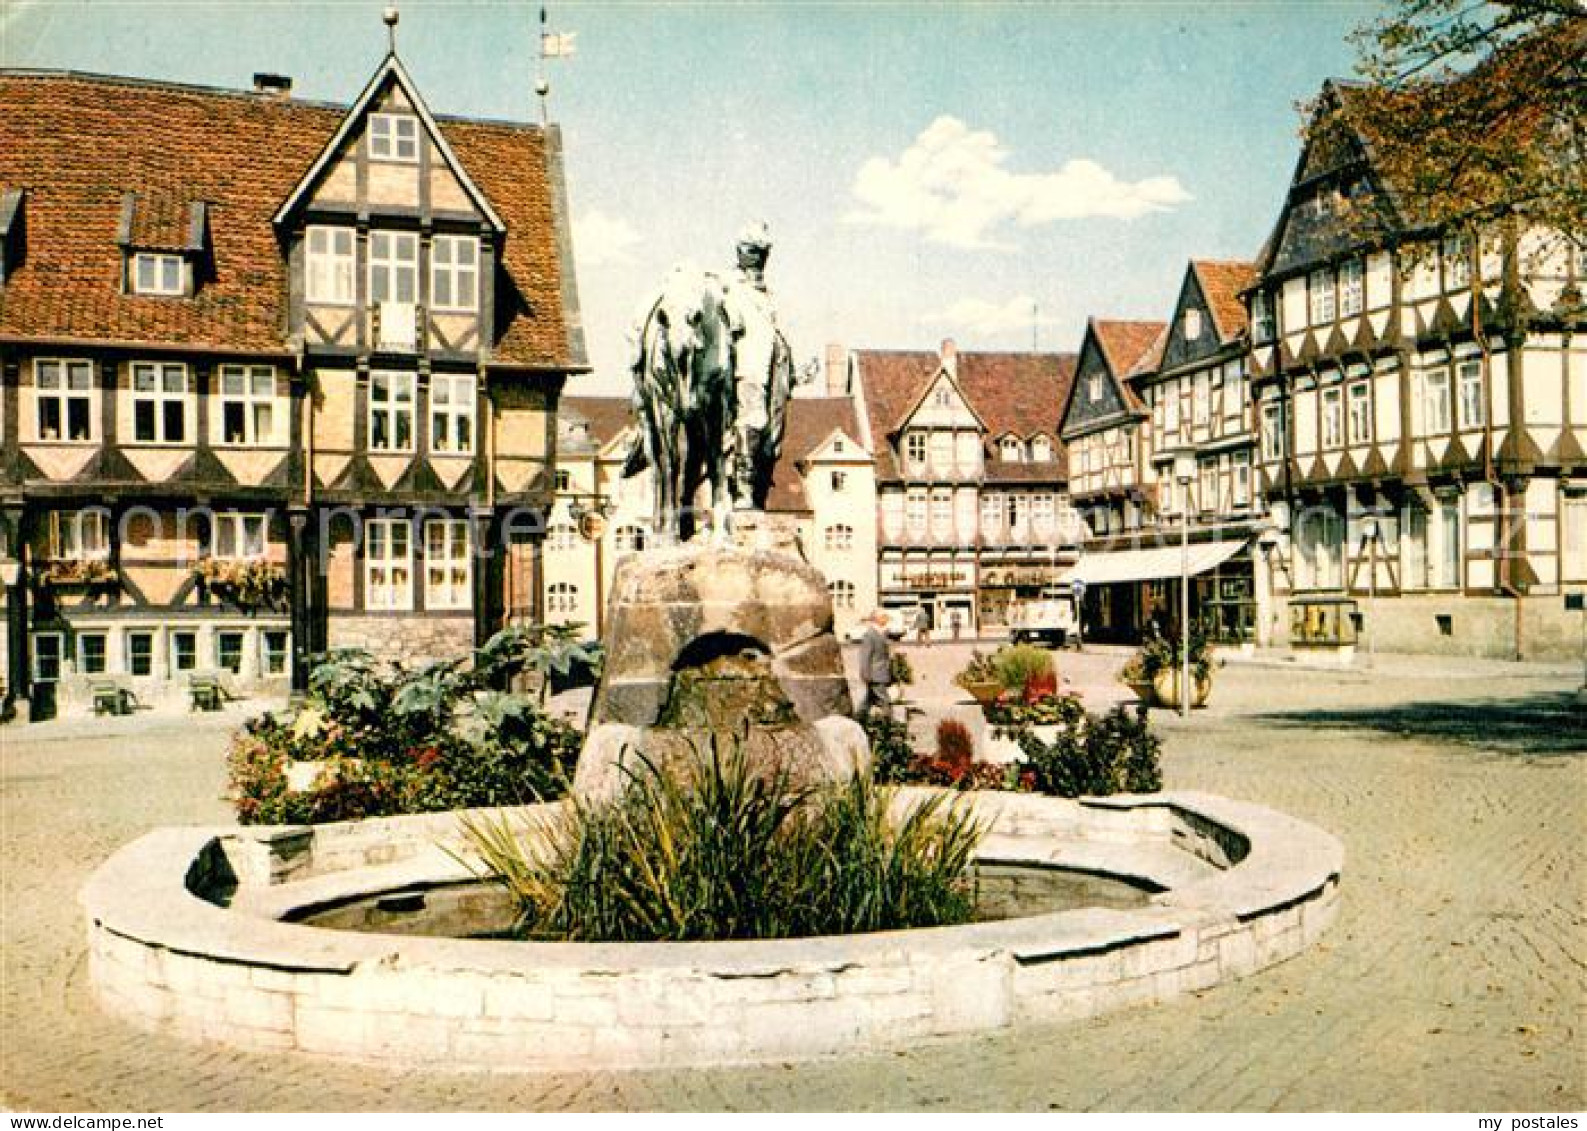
{"x":1477,"y":111}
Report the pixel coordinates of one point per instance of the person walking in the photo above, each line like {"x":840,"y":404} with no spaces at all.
{"x":922,"y":625}
{"x":876,"y":666}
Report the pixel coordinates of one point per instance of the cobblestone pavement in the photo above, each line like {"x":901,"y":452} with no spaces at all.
{"x":1455,"y":978}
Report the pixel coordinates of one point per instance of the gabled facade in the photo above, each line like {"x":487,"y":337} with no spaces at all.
{"x":823,"y":495}
{"x":1103,"y":419}
{"x":1427,"y":389}
{"x":278,"y":377}
{"x":973,"y":506}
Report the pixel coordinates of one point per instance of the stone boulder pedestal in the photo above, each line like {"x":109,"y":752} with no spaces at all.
{"x":708,"y":643}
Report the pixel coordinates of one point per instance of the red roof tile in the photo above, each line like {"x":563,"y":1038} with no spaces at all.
{"x":77,"y":143}
{"x":607,"y":416}
{"x":1126,"y":346}
{"x":1221,"y":284}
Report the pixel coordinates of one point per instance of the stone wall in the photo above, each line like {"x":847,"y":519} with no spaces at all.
{"x":1480,"y":627}
{"x":168,"y":959}
{"x":412,"y":639}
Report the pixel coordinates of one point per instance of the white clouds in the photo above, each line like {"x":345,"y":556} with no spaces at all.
{"x":952,"y":186}
{"x":599,"y":239}
{"x":988,"y":319}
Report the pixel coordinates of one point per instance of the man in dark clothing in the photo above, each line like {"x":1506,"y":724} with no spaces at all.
{"x":876,"y":666}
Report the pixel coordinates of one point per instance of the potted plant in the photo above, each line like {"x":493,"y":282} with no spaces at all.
{"x":249,"y":585}
{"x":1161,"y":661}
{"x":76,"y":573}
{"x":979,"y":678}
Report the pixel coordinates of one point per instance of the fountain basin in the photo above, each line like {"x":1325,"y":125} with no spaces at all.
{"x":189,"y":932}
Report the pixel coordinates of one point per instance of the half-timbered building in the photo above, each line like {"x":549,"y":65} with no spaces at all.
{"x":972,"y":494}
{"x":279,"y":377}
{"x":1421,"y":406}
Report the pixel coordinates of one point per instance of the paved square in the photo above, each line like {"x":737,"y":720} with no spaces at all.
{"x":1455,"y":979}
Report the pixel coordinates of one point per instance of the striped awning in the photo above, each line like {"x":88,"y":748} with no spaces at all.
{"x":1147,"y":565}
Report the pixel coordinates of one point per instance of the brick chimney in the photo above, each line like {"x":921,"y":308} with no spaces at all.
{"x":837,"y":367}
{"x":272,"y":86}
{"x":950,"y":357}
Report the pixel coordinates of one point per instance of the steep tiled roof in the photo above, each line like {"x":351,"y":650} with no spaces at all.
{"x":1221,"y":284}
{"x":1022,"y":393}
{"x":1003,"y":471}
{"x":810,"y":421}
{"x":606,"y":416}
{"x":1129,"y":346}
{"x":76,"y":144}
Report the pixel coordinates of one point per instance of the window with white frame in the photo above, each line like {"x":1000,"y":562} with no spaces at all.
{"x":943,"y":397}
{"x":65,"y":400}
{"x":1094,"y":387}
{"x":1240,"y":464}
{"x":915,"y":512}
{"x":562,"y":598}
{"x":139,"y":652}
{"x":840,"y":536}
{"x":1016,"y":515}
{"x":394,"y":137}
{"x":941,"y":452}
{"x":1573,"y":537}
{"x":184,"y":650}
{"x":1042,"y":512}
{"x":992,"y":517}
{"x":92,"y":651}
{"x":329,"y":265}
{"x":1333,"y":423}
{"x":1009,"y":449}
{"x":47,"y":654}
{"x":915,"y":448}
{"x":446,"y":564}
{"x":228,"y":651}
{"x":1321,"y":285}
{"x":159,"y":402}
{"x":562,"y":536}
{"x":1207,"y":485}
{"x":452,"y":413}
{"x":454,"y":273}
{"x":390,"y":411}
{"x":1457,"y":263}
{"x":80,"y":536}
{"x":274,"y":654}
{"x":248,"y":405}
{"x":1170,"y":395}
{"x":1435,"y":400}
{"x":842,"y":593}
{"x":1272,"y":432}
{"x":388,"y":564}
{"x":1445,"y":562}
{"x":840,"y":481}
{"x":1321,"y":547}
{"x":1473,"y":412}
{"x":156,"y":273}
{"x":1360,"y":413}
{"x":238,"y":537}
{"x":1352,"y":290}
{"x":1041,"y":450}
{"x":1200,"y":400}
{"x":1190,"y":324}
{"x":393,"y":267}
{"x":941,"y":513}
{"x":1413,"y":546}
{"x":1261,"y":318}
{"x":563,"y":479}
{"x":629,"y":538}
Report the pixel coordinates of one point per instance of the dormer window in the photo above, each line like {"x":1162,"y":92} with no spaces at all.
{"x":156,"y":273}
{"x":394,"y":137}
{"x":1010,"y":449}
{"x":1041,"y":450}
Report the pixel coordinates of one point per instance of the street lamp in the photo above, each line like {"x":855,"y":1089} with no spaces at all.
{"x":1184,"y":474}
{"x":1369,"y":535}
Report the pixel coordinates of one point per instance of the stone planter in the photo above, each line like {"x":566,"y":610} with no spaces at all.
{"x":1143,"y":690}
{"x":984,"y":693}
{"x":1165,"y":688}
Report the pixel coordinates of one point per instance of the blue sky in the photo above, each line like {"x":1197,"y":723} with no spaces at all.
{"x":927,"y":170}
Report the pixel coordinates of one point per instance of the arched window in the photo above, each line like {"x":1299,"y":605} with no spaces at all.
{"x":1010,"y":449}
{"x":562,"y":598}
{"x":561,"y":536}
{"x":842,"y":593}
{"x":1041,"y":450}
{"x":629,"y":539}
{"x":840,"y":537}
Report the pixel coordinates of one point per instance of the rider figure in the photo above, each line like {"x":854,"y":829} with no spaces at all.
{"x":760,"y":358}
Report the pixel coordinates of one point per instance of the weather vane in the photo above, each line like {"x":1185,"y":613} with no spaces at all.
{"x":553,"y":45}
{"x":391,"y":16}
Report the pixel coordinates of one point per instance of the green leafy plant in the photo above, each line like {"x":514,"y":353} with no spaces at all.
{"x":1162,"y":652}
{"x":892,"y":750}
{"x":1112,"y":754}
{"x":1015,"y":665}
{"x":977,"y":673}
{"x":903,"y":672}
{"x":718,"y":850}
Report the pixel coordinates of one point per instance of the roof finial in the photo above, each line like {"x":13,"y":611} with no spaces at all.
{"x":391,"y":16}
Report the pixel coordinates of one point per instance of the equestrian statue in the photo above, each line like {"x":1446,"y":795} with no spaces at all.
{"x":712,"y":378}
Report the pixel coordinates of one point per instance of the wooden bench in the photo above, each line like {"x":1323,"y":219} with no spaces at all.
{"x":206,"y":692}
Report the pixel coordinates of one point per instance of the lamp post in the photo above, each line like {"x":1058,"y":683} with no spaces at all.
{"x":1369,"y":535}
{"x":1184,"y":474}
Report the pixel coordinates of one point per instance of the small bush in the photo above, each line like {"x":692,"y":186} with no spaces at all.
{"x":718,"y":851}
{"x":954,"y":745}
{"x":892,"y":750}
{"x":903,"y":672}
{"x":1116,"y":753}
{"x":1016,"y":665}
